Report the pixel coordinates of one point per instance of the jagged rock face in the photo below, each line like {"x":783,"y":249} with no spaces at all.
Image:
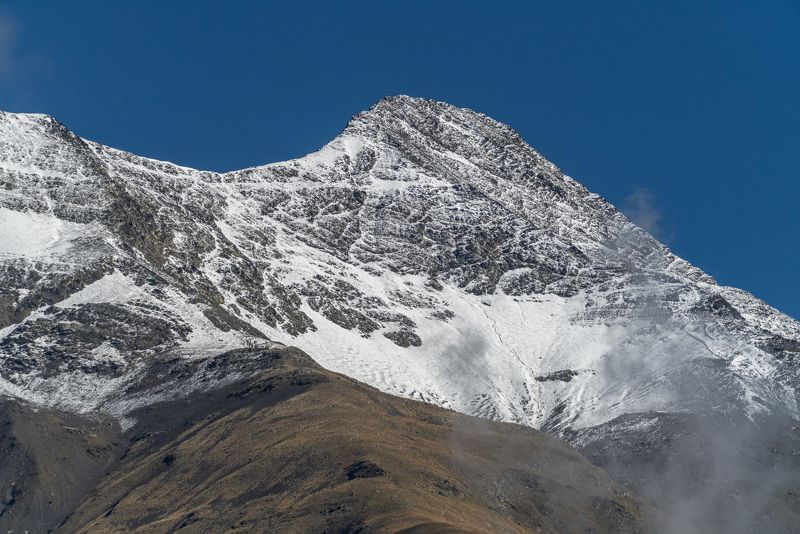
{"x":427,"y":250}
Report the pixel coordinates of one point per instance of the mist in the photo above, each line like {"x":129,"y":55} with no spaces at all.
{"x":640,"y":208}
{"x":715,"y":466}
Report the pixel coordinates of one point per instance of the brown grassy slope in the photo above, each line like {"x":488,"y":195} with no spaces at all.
{"x":48,"y":461}
{"x":301,"y":449}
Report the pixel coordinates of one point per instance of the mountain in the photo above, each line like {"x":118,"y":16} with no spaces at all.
{"x":296,"y":448}
{"x":427,"y":251}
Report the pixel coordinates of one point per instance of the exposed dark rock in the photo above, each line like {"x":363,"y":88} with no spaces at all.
{"x":403,"y":338}
{"x":565,"y":375}
{"x":364,"y":469}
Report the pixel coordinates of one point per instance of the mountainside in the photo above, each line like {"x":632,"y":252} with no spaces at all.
{"x":296,"y":448}
{"x":427,"y":251}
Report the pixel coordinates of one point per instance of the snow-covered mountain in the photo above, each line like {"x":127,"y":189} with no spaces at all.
{"x":427,"y":250}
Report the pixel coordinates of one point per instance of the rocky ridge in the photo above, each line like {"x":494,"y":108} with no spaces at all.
{"x":427,"y":250}
{"x":449,"y":261}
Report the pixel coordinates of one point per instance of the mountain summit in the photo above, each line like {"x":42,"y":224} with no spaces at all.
{"x":427,"y":250}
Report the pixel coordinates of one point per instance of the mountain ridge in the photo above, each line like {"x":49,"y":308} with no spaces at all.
{"x":427,"y":250}
{"x":395,"y":125}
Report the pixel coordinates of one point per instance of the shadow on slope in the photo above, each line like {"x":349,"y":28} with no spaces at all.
{"x":48,"y":461}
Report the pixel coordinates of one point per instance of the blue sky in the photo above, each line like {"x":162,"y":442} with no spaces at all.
{"x":686,"y":114}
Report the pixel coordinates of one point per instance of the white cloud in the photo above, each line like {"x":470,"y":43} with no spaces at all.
{"x":640,"y":208}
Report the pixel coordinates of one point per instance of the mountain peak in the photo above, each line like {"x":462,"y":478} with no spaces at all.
{"x":404,"y":102}
{"x":423,"y":233}
{"x":428,"y":116}
{"x":427,"y":250}
{"x":25,"y":116}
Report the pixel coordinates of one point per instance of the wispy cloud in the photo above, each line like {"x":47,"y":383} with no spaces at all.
{"x":641,"y":209}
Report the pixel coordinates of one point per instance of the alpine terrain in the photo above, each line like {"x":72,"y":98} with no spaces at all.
{"x":426,"y":251}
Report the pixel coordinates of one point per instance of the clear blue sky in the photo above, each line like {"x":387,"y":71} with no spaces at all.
{"x":696,"y":103}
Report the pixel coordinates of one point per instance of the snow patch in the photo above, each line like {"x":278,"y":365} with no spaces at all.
{"x":35,"y":235}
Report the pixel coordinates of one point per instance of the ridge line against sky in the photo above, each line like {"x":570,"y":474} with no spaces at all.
{"x":683,"y":113}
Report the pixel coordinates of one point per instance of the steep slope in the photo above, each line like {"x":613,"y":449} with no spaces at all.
{"x":49,"y":461}
{"x":296,"y":448}
{"x":709,"y":474}
{"x":447,"y":259}
{"x":427,"y":251}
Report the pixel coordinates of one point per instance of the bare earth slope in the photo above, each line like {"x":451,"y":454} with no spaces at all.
{"x":296,"y":448}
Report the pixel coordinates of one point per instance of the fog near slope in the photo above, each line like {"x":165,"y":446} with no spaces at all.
{"x":707,"y":473}
{"x":468,"y":365}
{"x":640,"y":208}
{"x":714,"y":473}
{"x":720,"y":473}
{"x":540,"y":471}
{"x":733,"y":476}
